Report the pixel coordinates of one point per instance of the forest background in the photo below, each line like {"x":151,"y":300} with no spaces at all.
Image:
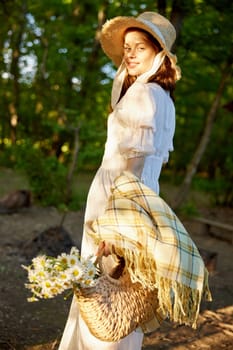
{"x":55,"y":85}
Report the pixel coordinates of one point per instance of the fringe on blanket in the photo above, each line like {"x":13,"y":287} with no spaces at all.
{"x":178,"y":302}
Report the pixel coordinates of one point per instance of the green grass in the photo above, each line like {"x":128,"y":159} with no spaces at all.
{"x":80,"y":186}
{"x":10,"y":180}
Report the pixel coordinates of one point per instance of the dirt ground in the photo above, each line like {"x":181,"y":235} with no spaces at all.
{"x":39,"y":326}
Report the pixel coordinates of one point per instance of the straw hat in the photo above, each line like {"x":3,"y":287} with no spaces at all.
{"x":112,"y":34}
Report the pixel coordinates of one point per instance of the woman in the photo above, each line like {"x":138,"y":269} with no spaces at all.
{"x":140,"y":134}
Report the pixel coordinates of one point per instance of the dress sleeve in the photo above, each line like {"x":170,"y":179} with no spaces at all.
{"x":135,"y":112}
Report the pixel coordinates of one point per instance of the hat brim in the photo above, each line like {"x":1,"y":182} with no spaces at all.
{"x":112,"y":36}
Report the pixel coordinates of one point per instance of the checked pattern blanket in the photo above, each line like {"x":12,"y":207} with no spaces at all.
{"x":158,"y":251}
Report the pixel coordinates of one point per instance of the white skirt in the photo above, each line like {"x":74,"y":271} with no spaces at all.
{"x":76,"y":335}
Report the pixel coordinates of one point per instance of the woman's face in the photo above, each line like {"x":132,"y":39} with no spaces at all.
{"x":139,"y":53}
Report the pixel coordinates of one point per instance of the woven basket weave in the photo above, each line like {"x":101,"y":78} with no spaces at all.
{"x":113,"y":308}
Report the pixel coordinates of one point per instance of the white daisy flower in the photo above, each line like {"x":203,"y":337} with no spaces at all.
{"x":50,"y":276}
{"x":73,"y":260}
{"x":74,"y":251}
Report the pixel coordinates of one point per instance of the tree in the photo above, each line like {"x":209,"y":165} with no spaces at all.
{"x":205,"y":138}
{"x":56,"y":81}
{"x":211,"y":47}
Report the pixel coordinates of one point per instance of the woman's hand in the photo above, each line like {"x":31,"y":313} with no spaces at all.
{"x":112,"y":267}
{"x":104,"y":249}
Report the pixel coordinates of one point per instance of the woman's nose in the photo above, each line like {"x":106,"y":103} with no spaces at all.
{"x":132,"y":52}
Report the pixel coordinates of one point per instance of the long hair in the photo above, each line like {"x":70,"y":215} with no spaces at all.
{"x":165,"y":76}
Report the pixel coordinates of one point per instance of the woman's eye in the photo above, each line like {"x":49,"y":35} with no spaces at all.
{"x":139,"y":49}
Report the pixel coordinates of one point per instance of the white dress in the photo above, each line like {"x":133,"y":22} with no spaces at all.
{"x":142,"y":123}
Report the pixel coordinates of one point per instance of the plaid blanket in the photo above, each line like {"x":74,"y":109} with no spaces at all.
{"x":158,"y":251}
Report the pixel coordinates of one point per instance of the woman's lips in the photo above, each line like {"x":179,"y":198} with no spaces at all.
{"x":132,"y":64}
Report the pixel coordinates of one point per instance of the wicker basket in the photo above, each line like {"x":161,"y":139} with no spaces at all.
{"x":113,"y":308}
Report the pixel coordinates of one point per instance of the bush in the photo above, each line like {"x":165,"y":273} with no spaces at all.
{"x":46,"y":175}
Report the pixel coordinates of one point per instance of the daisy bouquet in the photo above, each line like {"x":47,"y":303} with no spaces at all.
{"x":50,"y":276}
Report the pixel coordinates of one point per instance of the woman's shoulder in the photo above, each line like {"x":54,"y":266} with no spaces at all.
{"x":137,"y":88}
{"x":159,"y":94}
{"x":142,"y":89}
{"x":137,"y":106}
{"x":135,"y":94}
{"x":157,"y":88}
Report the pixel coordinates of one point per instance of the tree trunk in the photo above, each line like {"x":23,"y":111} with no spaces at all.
{"x":162,"y":5}
{"x":193,"y":165}
{"x":72,"y":165}
{"x":93,"y":58}
{"x":18,"y":26}
{"x":178,"y":13}
{"x":83,"y":92}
